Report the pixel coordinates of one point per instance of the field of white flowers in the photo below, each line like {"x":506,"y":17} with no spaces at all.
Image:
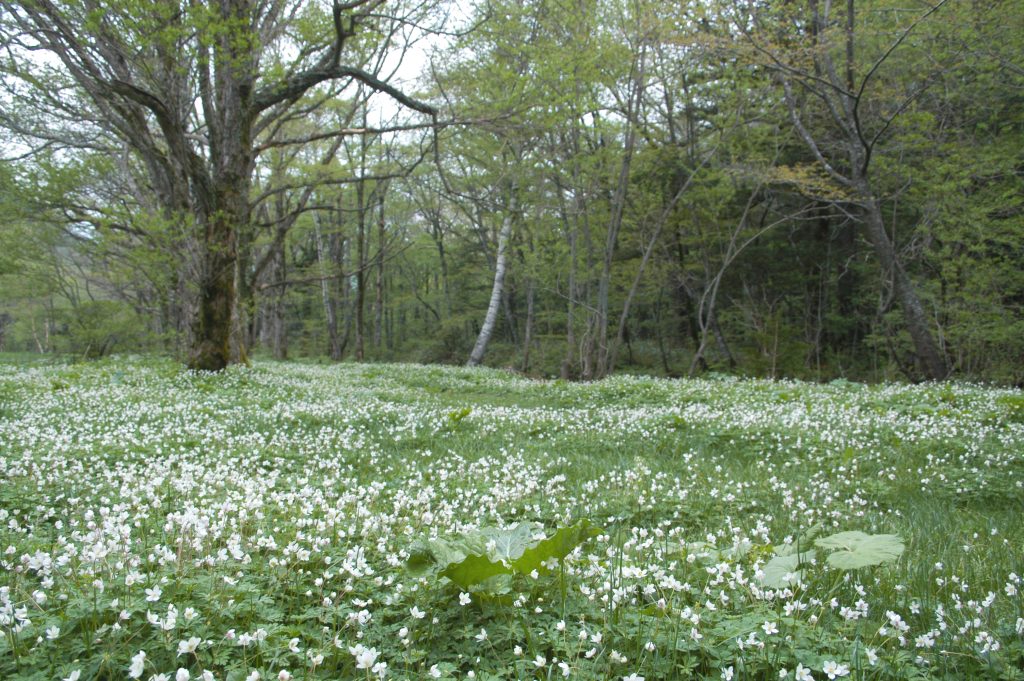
{"x":291,"y":521}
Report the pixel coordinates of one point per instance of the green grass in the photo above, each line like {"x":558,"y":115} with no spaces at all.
{"x":280,"y":504}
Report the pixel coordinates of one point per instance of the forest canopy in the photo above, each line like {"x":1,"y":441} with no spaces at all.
{"x":563,"y":187}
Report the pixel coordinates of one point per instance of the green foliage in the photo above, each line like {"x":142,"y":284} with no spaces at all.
{"x":98,"y":328}
{"x":472,"y":560}
{"x":784,"y":570}
{"x":456,"y":417}
{"x":1013,"y":406}
{"x":797,"y":290}
{"x":376,"y":549}
{"x":853,"y":550}
{"x":556,"y":548}
{"x":850,"y":550}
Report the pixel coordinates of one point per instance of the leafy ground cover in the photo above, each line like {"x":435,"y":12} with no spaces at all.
{"x":293,"y":521}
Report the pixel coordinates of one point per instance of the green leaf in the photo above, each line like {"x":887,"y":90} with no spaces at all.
{"x":479,"y":560}
{"x":473,"y":570}
{"x":495,"y":588}
{"x":428,"y":557}
{"x":557,"y":546}
{"x":422,"y":559}
{"x":508,"y":545}
{"x":853,"y":550}
{"x":473,"y":557}
{"x":776,"y":570}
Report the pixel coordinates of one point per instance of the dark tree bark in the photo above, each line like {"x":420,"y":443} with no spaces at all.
{"x":528,"y":328}
{"x":438,"y":236}
{"x":570,"y":309}
{"x":914,"y":315}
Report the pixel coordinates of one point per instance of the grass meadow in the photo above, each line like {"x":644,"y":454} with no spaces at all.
{"x":302,"y":521}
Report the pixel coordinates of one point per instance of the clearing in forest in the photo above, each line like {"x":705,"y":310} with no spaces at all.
{"x":299,"y":521}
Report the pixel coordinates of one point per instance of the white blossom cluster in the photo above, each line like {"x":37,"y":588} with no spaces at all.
{"x":215,"y":517}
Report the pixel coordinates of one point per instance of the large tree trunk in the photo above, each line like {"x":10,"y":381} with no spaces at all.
{"x":211,"y":332}
{"x":498,"y":288}
{"x":929,"y":357}
{"x":231,"y":160}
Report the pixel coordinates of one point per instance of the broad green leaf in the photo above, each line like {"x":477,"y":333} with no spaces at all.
{"x":508,"y":545}
{"x":516,"y":550}
{"x":422,"y":559}
{"x":853,"y":550}
{"x":473,"y":570}
{"x":778,"y":568}
{"x":481,"y":559}
{"x":436,"y":554}
{"x":495,"y":588}
{"x":429,"y":556}
{"x":739,"y":550}
{"x":557,"y":546}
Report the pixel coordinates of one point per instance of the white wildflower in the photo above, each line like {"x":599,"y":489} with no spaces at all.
{"x":138,"y":665}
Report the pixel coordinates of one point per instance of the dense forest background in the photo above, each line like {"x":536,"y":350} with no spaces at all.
{"x":573,"y":187}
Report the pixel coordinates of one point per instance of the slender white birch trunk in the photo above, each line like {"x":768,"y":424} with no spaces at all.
{"x":501,"y":264}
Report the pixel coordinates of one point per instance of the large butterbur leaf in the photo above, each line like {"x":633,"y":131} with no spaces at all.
{"x":484,"y":560}
{"x":802,"y":543}
{"x":847,"y":551}
{"x":784,"y":571}
{"x":853,"y":550}
{"x":426,"y":556}
{"x":508,"y":545}
{"x":490,"y":553}
{"x":430,"y":556}
{"x":472,"y":570}
{"x":556,"y":547}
